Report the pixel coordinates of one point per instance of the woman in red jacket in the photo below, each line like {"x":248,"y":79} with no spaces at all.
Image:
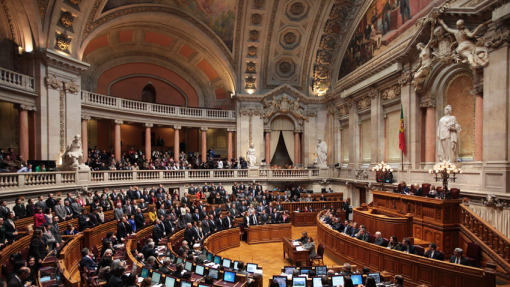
{"x":38,"y":217}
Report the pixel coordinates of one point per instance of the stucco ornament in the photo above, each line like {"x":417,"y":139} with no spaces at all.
{"x":283,"y":105}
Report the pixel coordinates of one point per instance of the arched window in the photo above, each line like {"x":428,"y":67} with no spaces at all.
{"x":149,"y":94}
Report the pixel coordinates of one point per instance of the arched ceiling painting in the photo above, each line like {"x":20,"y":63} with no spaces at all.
{"x":219,"y":15}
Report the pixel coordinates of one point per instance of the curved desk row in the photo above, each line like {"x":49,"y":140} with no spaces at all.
{"x":415,"y":269}
{"x":387,"y":225}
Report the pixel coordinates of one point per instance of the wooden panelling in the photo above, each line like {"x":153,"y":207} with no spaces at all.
{"x":388,"y":226}
{"x":415,"y":269}
{"x":69,"y":257}
{"x":268,"y":233}
{"x":223,"y":240}
{"x":304,"y":218}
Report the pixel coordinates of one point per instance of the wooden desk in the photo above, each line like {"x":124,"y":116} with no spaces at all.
{"x":316,"y":205}
{"x":416,"y":270}
{"x":223,"y":240}
{"x":434,"y":220}
{"x":69,"y":257}
{"x":296,"y":256}
{"x":387,"y":225}
{"x":304,"y":218}
{"x":268,"y":233}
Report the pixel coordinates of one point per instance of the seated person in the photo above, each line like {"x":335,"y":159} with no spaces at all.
{"x":457,"y":257}
{"x":71,"y":230}
{"x":87,"y":259}
{"x":432,"y":253}
{"x":178,"y":270}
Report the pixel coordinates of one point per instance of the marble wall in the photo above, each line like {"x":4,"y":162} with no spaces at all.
{"x":392,"y":151}
{"x":9,"y":119}
{"x":366,"y":143}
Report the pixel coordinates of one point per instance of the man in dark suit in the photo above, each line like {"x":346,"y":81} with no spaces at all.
{"x":212,"y":224}
{"x":94,"y":218}
{"x":457,"y":257}
{"x":347,"y":228}
{"x":19,"y":209}
{"x":363,"y":235}
{"x":275,"y":218}
{"x":143,"y":206}
{"x":122,"y":230}
{"x":30,"y":208}
{"x":432,"y":253}
{"x":83,"y":220}
{"x":219,"y":223}
{"x":253,"y":219}
{"x":10,"y":227}
{"x":227,"y":221}
{"x":149,"y":251}
{"x":165,"y":268}
{"x":128,"y":209}
{"x":407,"y":246}
{"x":157,"y":232}
{"x":354,"y":229}
{"x":379,"y":240}
{"x":178,"y":271}
{"x":189,"y":234}
{"x":185,"y":199}
{"x":218,"y":211}
{"x":192,"y":190}
{"x":205,"y":226}
{"x":42,"y":204}
{"x":264,"y":218}
{"x":338,"y":226}
{"x":169,"y":227}
{"x":116,"y":280}
{"x":50,"y":202}
{"x":86,"y":260}
{"x":21,"y":275}
{"x":139,"y":219}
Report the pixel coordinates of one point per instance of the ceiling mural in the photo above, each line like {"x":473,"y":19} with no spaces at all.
{"x":384,"y":21}
{"x":219,"y":15}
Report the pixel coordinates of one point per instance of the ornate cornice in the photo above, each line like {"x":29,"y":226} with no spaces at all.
{"x":71,"y":87}
{"x":12,"y":24}
{"x":148,"y":125}
{"x":231,"y":130}
{"x":85,"y":117}
{"x":495,"y":38}
{"x":391,"y":92}
{"x":64,"y":63}
{"x":405,"y":79}
{"x":204,"y":129}
{"x":91,"y":25}
{"x":177,"y":127}
{"x":118,"y":122}
{"x":364,"y":103}
{"x":27,"y":108}
{"x":373,"y":93}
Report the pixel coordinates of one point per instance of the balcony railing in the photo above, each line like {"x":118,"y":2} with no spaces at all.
{"x":108,"y":102}
{"x":20,"y":181}
{"x":16,"y":80}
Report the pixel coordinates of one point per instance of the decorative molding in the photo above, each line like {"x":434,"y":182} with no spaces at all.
{"x":28,"y":108}
{"x":250,"y":82}
{"x":495,"y":38}
{"x":85,"y":117}
{"x":373,"y":93}
{"x":148,"y":125}
{"x":364,"y":103}
{"x":66,"y":19}
{"x":177,"y":127}
{"x":283,"y":106}
{"x":63,"y":42}
{"x":204,"y":129}
{"x":43,"y":4}
{"x":52,"y":82}
{"x":74,"y":2}
{"x":405,"y":79}
{"x":252,"y":51}
{"x":267,"y":131}
{"x":66,"y":64}
{"x":256,"y":18}
{"x":254,"y":35}
{"x":258,"y":4}
{"x":493,"y":201}
{"x":428,"y":102}
{"x":343,"y":110}
{"x":391,"y":92}
{"x":230,"y":130}
{"x":118,"y":122}
{"x":250,"y":67}
{"x":71,"y":87}
{"x":16,"y":38}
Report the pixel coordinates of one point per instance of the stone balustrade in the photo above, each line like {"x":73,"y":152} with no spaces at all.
{"x":16,"y":80}
{"x":16,"y":182}
{"x":94,"y":100}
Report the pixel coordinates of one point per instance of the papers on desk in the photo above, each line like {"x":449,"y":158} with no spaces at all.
{"x":300,"y":248}
{"x":258,"y":271}
{"x":197,"y":245}
{"x":140,"y":279}
{"x":295,"y":243}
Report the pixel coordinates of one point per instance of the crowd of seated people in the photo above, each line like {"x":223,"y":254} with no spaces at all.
{"x":359,"y":232}
{"x":12,"y":162}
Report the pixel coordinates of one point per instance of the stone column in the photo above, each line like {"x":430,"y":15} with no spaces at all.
{"x":148,"y":145}
{"x":477,"y":92}
{"x":302,"y":148}
{"x":376,"y":126}
{"x":23,"y":132}
{"x":296,"y":148}
{"x":85,"y":137}
{"x":204,"y":143}
{"x":229,"y":144}
{"x":117,"y":145}
{"x":268,"y":146}
{"x":176,"y":142}
{"x":31,"y":135}
{"x":429,"y":104}
{"x":410,"y":105}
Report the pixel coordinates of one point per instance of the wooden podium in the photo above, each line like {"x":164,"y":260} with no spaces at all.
{"x":294,"y":255}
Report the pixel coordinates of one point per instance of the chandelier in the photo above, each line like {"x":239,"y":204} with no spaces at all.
{"x":445,"y":171}
{"x":382,"y":167}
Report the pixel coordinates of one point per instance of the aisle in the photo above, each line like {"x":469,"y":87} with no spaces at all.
{"x":270,"y":255}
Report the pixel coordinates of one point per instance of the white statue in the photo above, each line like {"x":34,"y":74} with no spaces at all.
{"x":448,"y":134}
{"x":251,"y":156}
{"x":72,"y":159}
{"x":422,"y":71}
{"x":321,"y":149}
{"x":476,"y":56}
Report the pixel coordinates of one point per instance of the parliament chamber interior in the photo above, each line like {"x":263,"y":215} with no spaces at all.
{"x":254,"y":143}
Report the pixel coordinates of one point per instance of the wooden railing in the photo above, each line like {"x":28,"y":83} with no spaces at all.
{"x":109,"y":102}
{"x":492,"y":242}
{"x":415,"y":269}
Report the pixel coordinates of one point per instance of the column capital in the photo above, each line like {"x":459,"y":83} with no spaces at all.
{"x":85,"y":118}
{"x":177,"y":127}
{"x":373,"y":93}
{"x":231,"y":130}
{"x":148,"y":125}
{"x":119,"y":122}
{"x":405,"y":78}
{"x":27,"y":108}
{"x":428,"y":102}
{"x":477,"y":90}
{"x":267,"y":130}
{"x":204,"y":129}
{"x":298,"y":131}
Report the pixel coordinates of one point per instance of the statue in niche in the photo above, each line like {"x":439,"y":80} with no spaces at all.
{"x":251,"y":156}
{"x":422,"y":71}
{"x":477,"y":57}
{"x":448,"y":134}
{"x":321,"y":150}
{"x":72,"y":159}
